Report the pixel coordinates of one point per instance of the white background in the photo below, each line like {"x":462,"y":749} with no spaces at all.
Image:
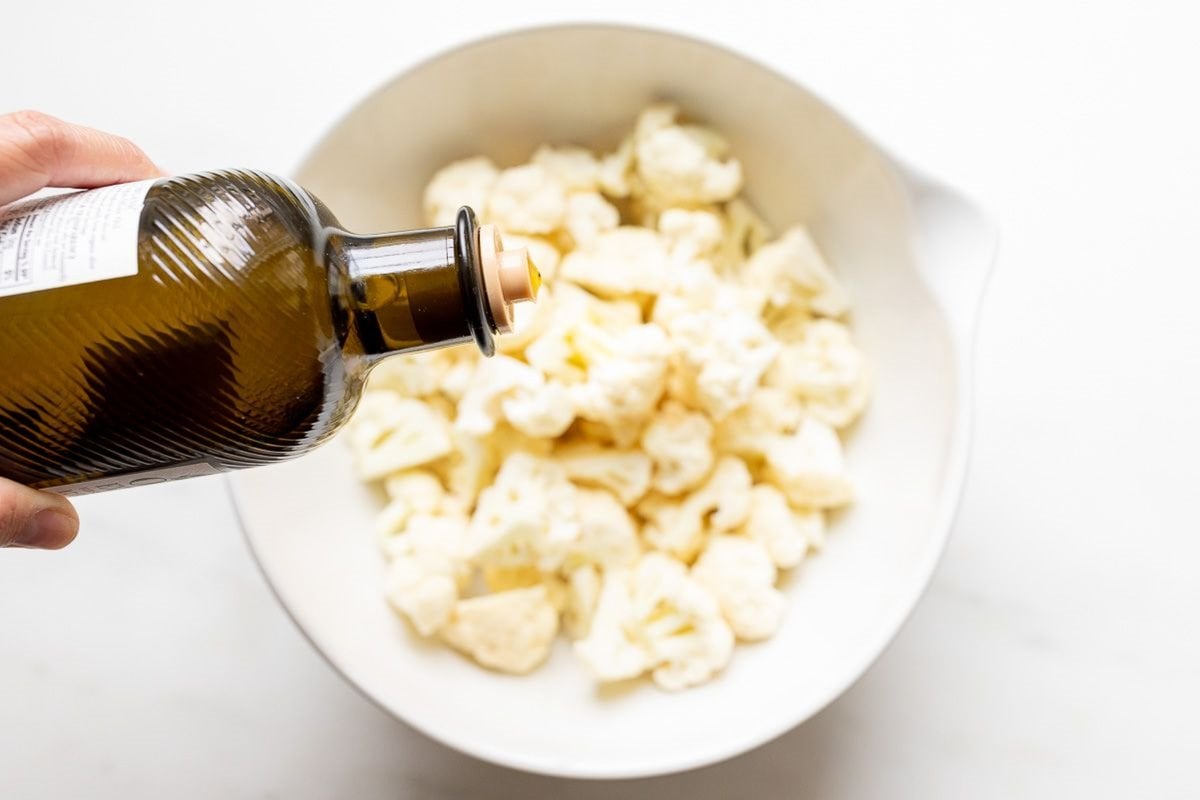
{"x":1057,"y":652}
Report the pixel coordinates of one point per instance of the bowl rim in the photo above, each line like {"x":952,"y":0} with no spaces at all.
{"x":887,"y":627}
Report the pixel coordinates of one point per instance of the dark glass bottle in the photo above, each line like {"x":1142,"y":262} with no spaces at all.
{"x":242,"y":339}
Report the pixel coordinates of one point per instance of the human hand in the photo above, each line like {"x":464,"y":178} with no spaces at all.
{"x":39,"y":151}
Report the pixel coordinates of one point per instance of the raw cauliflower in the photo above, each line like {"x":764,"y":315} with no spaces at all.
{"x":410,"y":493}
{"x":583,"y":593}
{"x":463,"y":183}
{"x":720,"y":358}
{"x":741,"y":575}
{"x":607,"y":535}
{"x":691,"y":235}
{"x":656,"y":618}
{"x":768,"y":414}
{"x":527,"y":199}
{"x":390,"y":433}
{"x":417,"y":376}
{"x":793,"y":271}
{"x":428,"y":568}
{"x":683,"y":165}
{"x":573,"y":167}
{"x":680,"y":443}
{"x":529,"y":515}
{"x":625,"y":473}
{"x":787,"y":533}
{"x":619,"y":262}
{"x":809,"y":467}
{"x":657,"y":438}
{"x":588,"y":216}
{"x":625,"y":384}
{"x":679,"y":527}
{"x":825,"y":371}
{"x":507,"y":631}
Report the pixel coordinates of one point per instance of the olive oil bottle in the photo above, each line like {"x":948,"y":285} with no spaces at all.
{"x":216,"y":321}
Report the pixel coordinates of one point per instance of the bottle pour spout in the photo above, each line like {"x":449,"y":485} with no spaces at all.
{"x":509,"y":276}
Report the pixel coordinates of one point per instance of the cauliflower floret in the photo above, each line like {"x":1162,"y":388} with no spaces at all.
{"x":415,"y":375}
{"x":694,"y":286}
{"x":623,"y":387}
{"x":680,"y":443}
{"x":615,"y":170}
{"x":462,"y":183}
{"x":505,"y":388}
{"x":469,"y":468}
{"x":410,"y":493}
{"x":580,"y":332}
{"x":507,"y":631}
{"x":656,"y":617}
{"x":671,"y":526}
{"x":573,"y":302}
{"x":623,"y":261}
{"x":809,"y":467}
{"x":720,"y":357}
{"x":826,"y":371}
{"x":683,"y":165}
{"x":428,"y":568}
{"x":543,"y":412}
{"x":588,"y":216}
{"x":625,"y":473}
{"x":493,"y":380}
{"x":419,"y":490}
{"x":722,"y":504}
{"x":456,"y":379}
{"x":744,"y":233}
{"x":724,"y":499}
{"x":612,"y":650}
{"x":583,"y":592}
{"x":741,"y":575}
{"x":690,"y":235}
{"x":607,"y":536}
{"x":574,"y":167}
{"x":390,"y":433}
{"x":786,"y":533}
{"x":793,"y":273}
{"x":768,"y":413}
{"x":529,"y":515}
{"x":527,"y":199}
{"x":556,"y":353}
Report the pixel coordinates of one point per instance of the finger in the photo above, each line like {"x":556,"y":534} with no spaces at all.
{"x":29,"y":518}
{"x":38,"y":150}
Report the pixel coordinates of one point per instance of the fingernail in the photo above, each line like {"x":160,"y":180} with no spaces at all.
{"x":48,"y":529}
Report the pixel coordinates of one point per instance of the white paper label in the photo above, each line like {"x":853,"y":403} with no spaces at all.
{"x":70,"y":239}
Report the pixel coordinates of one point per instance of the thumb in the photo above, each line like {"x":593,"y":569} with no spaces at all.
{"x":29,"y":518}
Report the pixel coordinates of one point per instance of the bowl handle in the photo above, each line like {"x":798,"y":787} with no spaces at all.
{"x":956,"y":248}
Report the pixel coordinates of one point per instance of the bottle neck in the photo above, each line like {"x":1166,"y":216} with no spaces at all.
{"x":411,"y":291}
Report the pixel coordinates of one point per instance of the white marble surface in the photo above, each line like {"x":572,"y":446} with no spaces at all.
{"x":1057,"y":652}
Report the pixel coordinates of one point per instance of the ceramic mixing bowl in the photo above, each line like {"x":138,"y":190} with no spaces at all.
{"x":914,"y":257}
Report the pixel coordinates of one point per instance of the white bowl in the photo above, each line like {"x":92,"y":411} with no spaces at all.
{"x":914,"y":257}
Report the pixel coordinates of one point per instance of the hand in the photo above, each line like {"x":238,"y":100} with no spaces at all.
{"x":37,"y":151}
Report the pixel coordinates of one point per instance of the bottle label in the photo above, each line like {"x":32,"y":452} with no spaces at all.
{"x":194,"y":469}
{"x":73,"y":238}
